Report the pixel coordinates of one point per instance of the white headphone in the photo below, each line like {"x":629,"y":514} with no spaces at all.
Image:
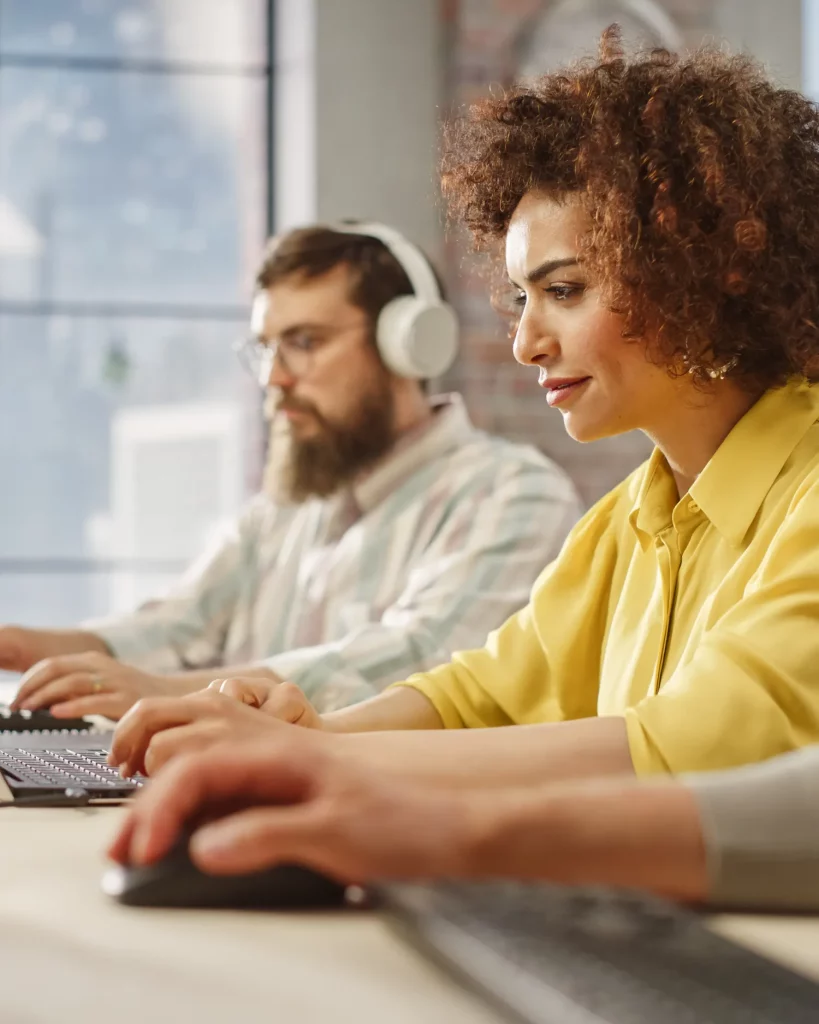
{"x":417,"y":335}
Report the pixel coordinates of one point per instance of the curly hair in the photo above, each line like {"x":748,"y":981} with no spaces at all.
{"x":701,"y":179}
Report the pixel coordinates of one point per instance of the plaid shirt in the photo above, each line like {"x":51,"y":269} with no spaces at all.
{"x":422,"y":557}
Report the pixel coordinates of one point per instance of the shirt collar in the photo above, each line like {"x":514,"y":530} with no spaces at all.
{"x":733,"y":485}
{"x":448,"y":428}
{"x":731,"y":488}
{"x":652,"y":508}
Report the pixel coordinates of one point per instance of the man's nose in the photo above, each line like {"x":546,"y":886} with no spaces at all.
{"x":274,"y":372}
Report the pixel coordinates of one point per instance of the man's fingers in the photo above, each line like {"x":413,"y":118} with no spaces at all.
{"x":272,"y":772}
{"x":109,"y":705}
{"x":41,"y":674}
{"x":260,"y":837}
{"x":75,"y":684}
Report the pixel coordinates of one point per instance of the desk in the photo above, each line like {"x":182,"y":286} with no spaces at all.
{"x":68,"y":953}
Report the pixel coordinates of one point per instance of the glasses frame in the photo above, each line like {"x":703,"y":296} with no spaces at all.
{"x":258,"y":356}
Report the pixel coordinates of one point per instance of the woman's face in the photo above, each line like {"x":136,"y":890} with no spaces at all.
{"x":601,"y":383}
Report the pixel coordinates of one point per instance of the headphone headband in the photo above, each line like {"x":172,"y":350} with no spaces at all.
{"x":417,"y":334}
{"x":414,"y":263}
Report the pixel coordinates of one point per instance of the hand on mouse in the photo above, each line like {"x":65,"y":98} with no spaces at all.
{"x":300,"y":798}
{"x":159,"y":728}
{"x":90,"y":683}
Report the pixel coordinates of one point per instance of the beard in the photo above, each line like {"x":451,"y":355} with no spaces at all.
{"x":319,"y":465}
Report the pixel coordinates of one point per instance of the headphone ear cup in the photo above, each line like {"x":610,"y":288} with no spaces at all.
{"x":417,"y":339}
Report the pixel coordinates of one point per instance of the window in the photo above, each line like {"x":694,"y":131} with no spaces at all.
{"x":133,"y":207}
{"x":557,"y":32}
{"x":810,"y":48}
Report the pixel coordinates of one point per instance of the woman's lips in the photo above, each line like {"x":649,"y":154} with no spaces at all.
{"x":560,"y":390}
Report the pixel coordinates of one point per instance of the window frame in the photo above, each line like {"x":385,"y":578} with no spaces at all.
{"x":113,"y":310}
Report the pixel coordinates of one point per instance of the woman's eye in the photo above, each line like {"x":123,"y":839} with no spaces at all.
{"x":562,"y":292}
{"x":519,"y":299}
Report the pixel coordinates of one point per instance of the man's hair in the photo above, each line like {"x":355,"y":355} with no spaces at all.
{"x":376,"y":276}
{"x":701,"y":179}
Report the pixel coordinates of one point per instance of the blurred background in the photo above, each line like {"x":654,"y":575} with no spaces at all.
{"x":148,"y":147}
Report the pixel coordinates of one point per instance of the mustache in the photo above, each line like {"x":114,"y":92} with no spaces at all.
{"x":274,"y":404}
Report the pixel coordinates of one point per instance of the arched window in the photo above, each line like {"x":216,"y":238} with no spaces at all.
{"x":564,"y":29}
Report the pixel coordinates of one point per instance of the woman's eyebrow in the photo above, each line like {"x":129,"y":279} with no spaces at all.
{"x":545,"y":268}
{"x":548,"y":267}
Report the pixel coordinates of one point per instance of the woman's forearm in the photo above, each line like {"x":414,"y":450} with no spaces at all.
{"x":604,"y":831}
{"x":512,"y":756}
{"x":401,"y":707}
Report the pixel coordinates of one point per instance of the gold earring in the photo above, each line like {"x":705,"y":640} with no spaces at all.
{"x":721,"y":372}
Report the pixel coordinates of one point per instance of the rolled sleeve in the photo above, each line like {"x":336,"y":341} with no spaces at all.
{"x":186,"y":627}
{"x":750,"y":690}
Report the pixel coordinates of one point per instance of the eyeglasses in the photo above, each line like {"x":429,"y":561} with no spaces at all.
{"x":295,"y":351}
{"x":258,"y":357}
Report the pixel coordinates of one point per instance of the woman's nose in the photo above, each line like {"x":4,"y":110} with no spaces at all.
{"x":534,"y":344}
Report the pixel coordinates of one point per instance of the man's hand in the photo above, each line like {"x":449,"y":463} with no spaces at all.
{"x":72,"y":685}
{"x":284,"y":701}
{"x":158,"y":729}
{"x":298,"y":798}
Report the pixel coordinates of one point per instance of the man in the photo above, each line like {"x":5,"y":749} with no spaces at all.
{"x":391,"y":533}
{"x":748,"y":837}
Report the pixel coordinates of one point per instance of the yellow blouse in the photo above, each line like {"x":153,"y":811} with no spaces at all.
{"x":697,"y":619}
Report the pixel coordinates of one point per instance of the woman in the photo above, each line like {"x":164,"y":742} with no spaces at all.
{"x":659,"y":220}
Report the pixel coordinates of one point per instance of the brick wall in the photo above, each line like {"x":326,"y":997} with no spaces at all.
{"x":481,"y":36}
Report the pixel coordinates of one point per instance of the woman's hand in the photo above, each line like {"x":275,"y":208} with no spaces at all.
{"x":284,"y":701}
{"x":158,"y":729}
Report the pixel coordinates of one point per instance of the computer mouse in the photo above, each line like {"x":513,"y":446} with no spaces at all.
{"x":175,"y":881}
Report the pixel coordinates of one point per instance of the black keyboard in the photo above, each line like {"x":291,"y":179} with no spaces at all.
{"x":550,"y":955}
{"x":39,"y":721}
{"x":35,"y":773}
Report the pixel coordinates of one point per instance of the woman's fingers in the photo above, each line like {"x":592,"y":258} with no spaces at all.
{"x":289,"y":704}
{"x":146,"y":718}
{"x":253,"y":692}
{"x":183,"y":739}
